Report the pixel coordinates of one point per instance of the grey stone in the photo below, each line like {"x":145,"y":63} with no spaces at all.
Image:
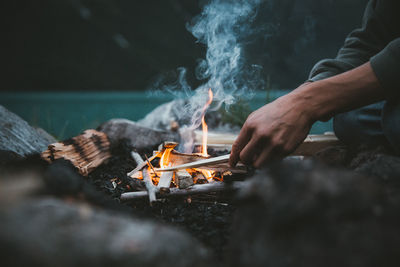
{"x":162,"y":116}
{"x":18,"y":136}
{"x":178,"y":111}
{"x":49,"y":138}
{"x":139,"y":137}
{"x":305,"y":214}
{"x":50,"y":232}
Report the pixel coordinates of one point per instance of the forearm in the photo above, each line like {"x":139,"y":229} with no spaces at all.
{"x":323,"y":99}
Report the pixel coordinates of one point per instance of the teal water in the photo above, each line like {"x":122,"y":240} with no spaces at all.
{"x":66,"y":114}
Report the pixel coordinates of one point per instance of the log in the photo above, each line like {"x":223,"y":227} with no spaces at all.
{"x":311,"y":145}
{"x":192,"y":190}
{"x":86,"y":151}
{"x":315,"y":143}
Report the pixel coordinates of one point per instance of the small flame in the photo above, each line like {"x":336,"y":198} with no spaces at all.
{"x":204,"y":124}
{"x":164,"y":161}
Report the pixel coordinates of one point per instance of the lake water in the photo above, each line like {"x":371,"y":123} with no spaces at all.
{"x":66,"y":114}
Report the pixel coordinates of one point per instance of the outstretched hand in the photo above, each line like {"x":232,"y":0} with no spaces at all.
{"x":272,"y":132}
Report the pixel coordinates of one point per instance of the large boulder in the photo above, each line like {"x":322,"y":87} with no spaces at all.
{"x":18,"y":136}
{"x":50,"y":232}
{"x":138,"y":136}
{"x":303,"y":214}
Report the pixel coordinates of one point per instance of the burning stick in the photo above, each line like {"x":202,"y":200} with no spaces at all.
{"x":220,"y":163}
{"x":192,"y":190}
{"x":141,"y":164}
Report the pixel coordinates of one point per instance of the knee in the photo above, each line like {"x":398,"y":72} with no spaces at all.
{"x":360,"y":126}
{"x":343,"y":125}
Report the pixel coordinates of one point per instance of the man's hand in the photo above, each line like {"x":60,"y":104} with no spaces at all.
{"x":273,"y":131}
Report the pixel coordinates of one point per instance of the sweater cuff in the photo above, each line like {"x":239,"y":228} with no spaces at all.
{"x":386,"y":65}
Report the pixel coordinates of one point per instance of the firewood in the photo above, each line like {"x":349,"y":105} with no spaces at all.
{"x":140,"y":166}
{"x":217,"y":164}
{"x":177,"y":158}
{"x":150,"y":187}
{"x":86,"y":151}
{"x":165,"y":181}
{"x":183,"y":179}
{"x":311,"y":145}
{"x":192,"y":190}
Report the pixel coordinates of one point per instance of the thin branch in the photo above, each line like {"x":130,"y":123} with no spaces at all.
{"x":193,"y":190}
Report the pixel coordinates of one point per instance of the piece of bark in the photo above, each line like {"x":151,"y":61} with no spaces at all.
{"x":86,"y":151}
{"x":183,"y":179}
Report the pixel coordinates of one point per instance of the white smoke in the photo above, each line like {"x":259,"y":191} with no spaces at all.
{"x":223,"y":27}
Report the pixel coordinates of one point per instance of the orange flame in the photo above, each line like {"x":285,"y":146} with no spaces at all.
{"x":164,"y":161}
{"x":204,"y":124}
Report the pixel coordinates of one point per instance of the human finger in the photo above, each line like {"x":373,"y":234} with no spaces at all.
{"x":268,"y":154}
{"x":240,"y":142}
{"x":250,"y":151}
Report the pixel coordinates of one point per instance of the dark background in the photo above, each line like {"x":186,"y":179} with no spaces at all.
{"x":126,"y":44}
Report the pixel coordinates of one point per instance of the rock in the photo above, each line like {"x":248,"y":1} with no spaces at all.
{"x":18,"y":136}
{"x":176,"y":112}
{"x":50,"y":139}
{"x":139,"y":137}
{"x":162,"y":116}
{"x":303,"y":214}
{"x":49,"y":232}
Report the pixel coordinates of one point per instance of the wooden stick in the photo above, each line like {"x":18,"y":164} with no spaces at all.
{"x":136,"y":157}
{"x":151,"y":188}
{"x":197,"y":164}
{"x":140,"y":166}
{"x":165,"y":180}
{"x":193,"y":190}
{"x":151,"y":166}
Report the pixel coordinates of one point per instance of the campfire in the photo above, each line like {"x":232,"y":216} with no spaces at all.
{"x":168,"y":168}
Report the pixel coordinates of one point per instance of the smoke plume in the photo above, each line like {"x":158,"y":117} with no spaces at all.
{"x":224,"y":27}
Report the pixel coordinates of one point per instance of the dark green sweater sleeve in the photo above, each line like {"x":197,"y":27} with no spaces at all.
{"x":377,"y":41}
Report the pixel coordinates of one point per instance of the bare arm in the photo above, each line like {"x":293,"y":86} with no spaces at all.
{"x":276,"y":129}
